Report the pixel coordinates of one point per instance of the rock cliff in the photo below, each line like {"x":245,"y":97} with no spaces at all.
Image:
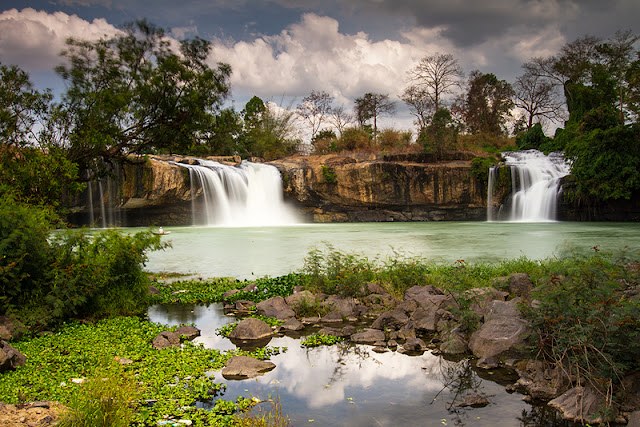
{"x":359,"y":188}
{"x":331,"y":188}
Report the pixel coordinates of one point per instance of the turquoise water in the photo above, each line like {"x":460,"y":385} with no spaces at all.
{"x":252,"y":252}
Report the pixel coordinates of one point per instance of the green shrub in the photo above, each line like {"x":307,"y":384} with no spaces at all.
{"x":46,"y":277}
{"x":585,"y":324}
{"x":329,"y":175}
{"x":334,"y":272}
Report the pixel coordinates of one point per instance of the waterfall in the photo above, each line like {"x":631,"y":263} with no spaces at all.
{"x":246,"y":195}
{"x":535,"y":184}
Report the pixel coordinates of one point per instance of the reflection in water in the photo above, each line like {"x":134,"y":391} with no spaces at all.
{"x":350,"y":385}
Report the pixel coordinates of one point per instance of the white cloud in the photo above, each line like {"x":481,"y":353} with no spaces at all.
{"x":34,"y":39}
{"x":313,"y":55}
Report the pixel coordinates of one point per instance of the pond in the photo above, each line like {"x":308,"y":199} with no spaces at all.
{"x":251,"y":252}
{"x":351,"y":385}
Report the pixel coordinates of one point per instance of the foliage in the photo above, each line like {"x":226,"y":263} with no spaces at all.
{"x":372,"y":106}
{"x":329,"y":175}
{"x":480,"y":168}
{"x":269,"y":287}
{"x":47,"y":277}
{"x":324,"y":142}
{"x":317,"y":340}
{"x":31,"y":167}
{"x":533,"y":138}
{"x":334,"y":272}
{"x":354,"y":139}
{"x":441,"y":135}
{"x":585,"y":324}
{"x":170,"y":380}
{"x":269,"y":130}
{"x":133,"y":93}
{"x":106,"y":399}
{"x":225,"y":330}
{"x":195,"y":291}
{"x":486,"y":105}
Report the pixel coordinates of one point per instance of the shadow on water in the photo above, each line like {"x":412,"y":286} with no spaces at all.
{"x":350,"y":385}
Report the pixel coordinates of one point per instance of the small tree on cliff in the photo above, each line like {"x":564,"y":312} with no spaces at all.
{"x":372,"y":106}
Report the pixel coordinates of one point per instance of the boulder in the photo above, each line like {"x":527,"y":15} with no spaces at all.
{"x":275,"y":307}
{"x":153,"y":290}
{"x":503,"y":333}
{"x":251,"y":329}
{"x":333,"y":317}
{"x":373,"y":288}
{"x":300,"y":298}
{"x":520,"y":285}
{"x":474,"y":401}
{"x":244,"y":367}
{"x":11,"y":328}
{"x":368,"y":336}
{"x":393,"y":319}
{"x":188,"y":332}
{"x":345,"y":306}
{"x":229,"y":293}
{"x":584,"y":405}
{"x":10,"y":358}
{"x":482,"y":299}
{"x":244,"y":305}
{"x":413,"y":345}
{"x":166,"y":339}
{"x":292,"y":324}
{"x":540,"y":380}
{"x":454,"y":343}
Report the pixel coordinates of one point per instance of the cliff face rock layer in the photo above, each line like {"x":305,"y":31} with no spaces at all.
{"x":332,"y":188}
{"x":362,"y":188}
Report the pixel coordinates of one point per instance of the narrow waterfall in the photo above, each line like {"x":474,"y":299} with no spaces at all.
{"x":246,"y":195}
{"x":535,"y":186}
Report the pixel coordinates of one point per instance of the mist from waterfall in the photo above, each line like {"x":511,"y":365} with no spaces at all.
{"x":246,"y":195}
{"x":535,"y":184}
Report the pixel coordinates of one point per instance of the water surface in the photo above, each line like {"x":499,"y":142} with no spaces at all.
{"x":250,"y":252}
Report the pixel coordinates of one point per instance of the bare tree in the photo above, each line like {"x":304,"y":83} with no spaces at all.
{"x":437,"y":75}
{"x":340,"y":118}
{"x":538,"y":97}
{"x":420,"y":105}
{"x":373,"y":105}
{"x":314,"y":109}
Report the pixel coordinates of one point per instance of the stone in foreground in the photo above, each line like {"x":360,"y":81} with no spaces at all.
{"x":244,"y":367}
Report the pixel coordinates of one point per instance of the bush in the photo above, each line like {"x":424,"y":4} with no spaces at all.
{"x":334,"y":272}
{"x":47,"y":276}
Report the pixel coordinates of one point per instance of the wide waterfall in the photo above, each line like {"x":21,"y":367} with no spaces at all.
{"x":246,"y":195}
{"x":535,"y":184}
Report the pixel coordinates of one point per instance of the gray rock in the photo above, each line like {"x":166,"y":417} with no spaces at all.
{"x":153,"y":290}
{"x":520,"y":285}
{"x":394,"y":319}
{"x":251,"y":287}
{"x":333,"y":317}
{"x":583,"y":405}
{"x":348,"y":330}
{"x":374,"y":288}
{"x":301,"y":298}
{"x":414,"y":345}
{"x":10,"y":358}
{"x":502,"y":334}
{"x":335,"y":332}
{"x":345,"y":306}
{"x":474,"y":401}
{"x":418,"y":292}
{"x":368,"y":336}
{"x":188,"y":332}
{"x":634,"y":419}
{"x":251,"y":329}
{"x":243,"y":367}
{"x":292,"y":324}
{"x":454,"y":343}
{"x":166,"y":339}
{"x":482,"y":299}
{"x":275,"y":307}
{"x":244,"y":305}
{"x":488,"y":363}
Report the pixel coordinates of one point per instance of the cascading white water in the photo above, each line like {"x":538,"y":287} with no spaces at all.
{"x":535,"y":185}
{"x":246,"y":195}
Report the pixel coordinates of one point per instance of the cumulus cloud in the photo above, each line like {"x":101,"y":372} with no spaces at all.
{"x":34,"y":39}
{"x":314,"y":54}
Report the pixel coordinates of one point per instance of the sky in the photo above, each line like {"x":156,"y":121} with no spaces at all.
{"x":281,"y":50}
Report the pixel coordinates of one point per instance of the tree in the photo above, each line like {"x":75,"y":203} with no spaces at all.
{"x":372,"y":106}
{"x":314,"y":109}
{"x":420,"y":105}
{"x":134,"y":94}
{"x":225,"y":131}
{"x":340,"y":118}
{"x":538,"y":98}
{"x":269,"y":130}
{"x":486,"y":105}
{"x":441,"y":134}
{"x":33,"y":168}
{"x":435,"y":76}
